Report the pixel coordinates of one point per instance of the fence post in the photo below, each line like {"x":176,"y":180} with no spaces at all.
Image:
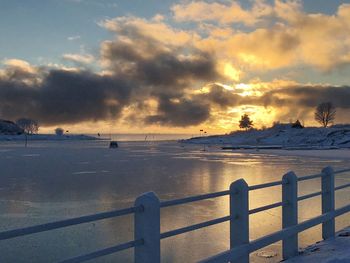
{"x":147,"y":227}
{"x":328,"y":201}
{"x":239,"y":212}
{"x":290,"y":213}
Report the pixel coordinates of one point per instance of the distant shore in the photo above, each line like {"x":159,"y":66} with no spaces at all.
{"x":47,"y":137}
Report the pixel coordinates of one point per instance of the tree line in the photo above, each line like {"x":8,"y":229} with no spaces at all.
{"x":30,"y":126}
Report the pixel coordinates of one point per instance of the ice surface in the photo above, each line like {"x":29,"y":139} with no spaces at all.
{"x":57,"y":180}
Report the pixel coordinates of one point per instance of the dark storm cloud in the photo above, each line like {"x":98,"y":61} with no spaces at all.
{"x":306,"y":96}
{"x":221,"y":97}
{"x":60,"y":97}
{"x":64,"y":97}
{"x":180,"y":112}
{"x":151,"y":64}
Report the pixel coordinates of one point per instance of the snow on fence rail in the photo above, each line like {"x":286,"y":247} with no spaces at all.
{"x":147,"y":236}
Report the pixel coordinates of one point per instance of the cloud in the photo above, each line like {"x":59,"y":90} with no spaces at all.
{"x":154,"y":53}
{"x":65,"y":97}
{"x":219,"y":96}
{"x":280,"y":35}
{"x":180,"y":112}
{"x":18,"y":70}
{"x":199,"y":11}
{"x":155,"y":29}
{"x":137,"y":68}
{"x":151,"y":53}
{"x":308,"y":96}
{"x":79,"y":58}
{"x":20,"y":65}
{"x":73,"y":38}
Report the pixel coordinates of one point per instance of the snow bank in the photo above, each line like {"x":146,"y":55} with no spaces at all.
{"x":284,"y":136}
{"x":334,"y":250}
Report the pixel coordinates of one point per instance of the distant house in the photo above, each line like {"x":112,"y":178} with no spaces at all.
{"x":297,"y":125}
{"x":9,"y":128}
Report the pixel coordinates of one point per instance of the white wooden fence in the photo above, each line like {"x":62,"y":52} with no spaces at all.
{"x":147,"y":235}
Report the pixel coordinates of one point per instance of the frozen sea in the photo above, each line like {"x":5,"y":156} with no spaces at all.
{"x":49,"y":181}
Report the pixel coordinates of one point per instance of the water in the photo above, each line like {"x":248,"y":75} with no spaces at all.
{"x":57,"y":180}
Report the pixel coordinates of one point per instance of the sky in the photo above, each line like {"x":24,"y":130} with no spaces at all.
{"x":172,"y":66}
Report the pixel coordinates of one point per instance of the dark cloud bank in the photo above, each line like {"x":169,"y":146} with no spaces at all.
{"x":140,"y":68}
{"x":71,"y":97}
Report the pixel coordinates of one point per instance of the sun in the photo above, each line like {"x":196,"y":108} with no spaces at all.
{"x":244,"y":89}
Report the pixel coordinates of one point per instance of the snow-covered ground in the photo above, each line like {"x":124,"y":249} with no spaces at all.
{"x":334,"y":250}
{"x":283,"y":136}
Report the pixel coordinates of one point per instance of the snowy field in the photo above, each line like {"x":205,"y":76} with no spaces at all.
{"x":57,"y":180}
{"x":283,"y":136}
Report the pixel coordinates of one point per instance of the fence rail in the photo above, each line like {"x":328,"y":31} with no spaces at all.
{"x":146,"y":211}
{"x":68,"y":222}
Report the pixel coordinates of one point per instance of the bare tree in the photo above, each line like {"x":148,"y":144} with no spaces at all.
{"x":245,"y":122}
{"x":29,"y":126}
{"x":325,"y":113}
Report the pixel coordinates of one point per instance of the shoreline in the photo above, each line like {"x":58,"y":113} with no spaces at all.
{"x":46,"y":137}
{"x":343,"y":153}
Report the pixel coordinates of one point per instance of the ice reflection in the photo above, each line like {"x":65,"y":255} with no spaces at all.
{"x":63,"y":181}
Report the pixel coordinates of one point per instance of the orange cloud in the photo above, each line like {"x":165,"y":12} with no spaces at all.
{"x":222,"y":13}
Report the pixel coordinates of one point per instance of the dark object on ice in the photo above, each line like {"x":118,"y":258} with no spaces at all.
{"x":113,"y":144}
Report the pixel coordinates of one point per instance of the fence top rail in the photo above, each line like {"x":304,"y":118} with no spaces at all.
{"x":265,"y":207}
{"x":265,"y":185}
{"x":342,"y":171}
{"x":309,"y":177}
{"x":314,"y":176}
{"x":67,"y":222}
{"x":189,"y":199}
